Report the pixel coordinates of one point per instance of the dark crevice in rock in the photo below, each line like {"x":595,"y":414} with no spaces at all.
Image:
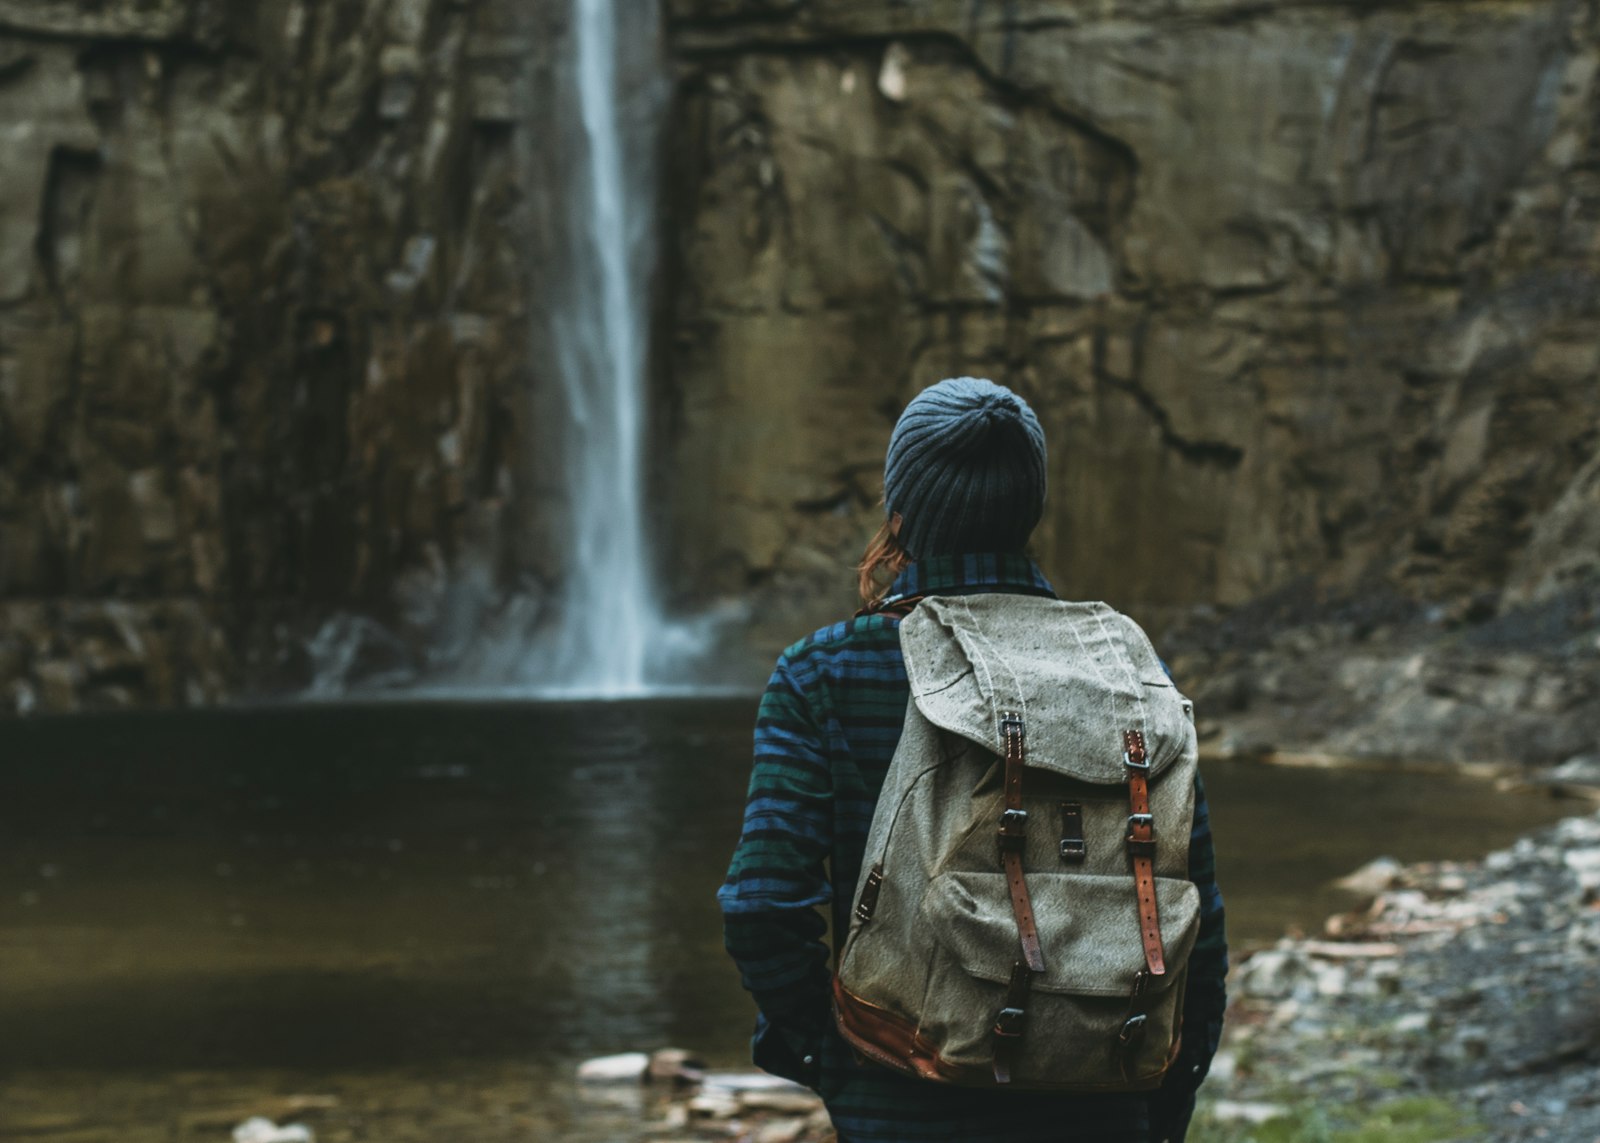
{"x":836,"y":502}
{"x":15,"y":63}
{"x":69,"y":185}
{"x":1218,"y":454}
{"x":909,"y":257}
{"x":1213,"y":453}
{"x":1246,"y":293}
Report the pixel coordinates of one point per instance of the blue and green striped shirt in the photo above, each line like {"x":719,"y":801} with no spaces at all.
{"x":828,"y":726}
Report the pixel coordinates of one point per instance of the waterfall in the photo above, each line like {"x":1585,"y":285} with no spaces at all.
{"x":611,"y":624}
{"x":603,"y":633}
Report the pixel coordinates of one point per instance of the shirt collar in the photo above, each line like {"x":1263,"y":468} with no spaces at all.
{"x":968,"y":574}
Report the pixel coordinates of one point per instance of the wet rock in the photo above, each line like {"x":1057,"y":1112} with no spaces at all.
{"x":628,"y":1067}
{"x":1275,"y":974}
{"x":1372,"y":878}
{"x":714,"y":1105}
{"x":781,"y":1131}
{"x":1579,"y":770}
{"x":59,"y":684}
{"x":675,"y":1065}
{"x":261,"y":1130}
{"x":1252,"y":1114}
{"x":782,"y":1102}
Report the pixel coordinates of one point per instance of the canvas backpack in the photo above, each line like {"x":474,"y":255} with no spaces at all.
{"x":1024,"y":914}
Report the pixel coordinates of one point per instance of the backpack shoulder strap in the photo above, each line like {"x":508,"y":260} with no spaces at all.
{"x":898,"y":609}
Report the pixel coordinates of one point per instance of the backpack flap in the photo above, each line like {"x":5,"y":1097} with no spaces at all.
{"x":1081,"y":673}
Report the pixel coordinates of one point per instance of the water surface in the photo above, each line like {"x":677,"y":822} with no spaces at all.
{"x":427,"y":913}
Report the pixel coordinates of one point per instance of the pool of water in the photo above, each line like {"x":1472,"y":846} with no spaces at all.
{"x":414,"y":919}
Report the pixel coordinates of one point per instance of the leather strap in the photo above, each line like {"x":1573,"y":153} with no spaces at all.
{"x":1013,"y":838}
{"x":1012,"y":1022}
{"x":1130,"y":1038}
{"x":1142,"y":849}
{"x":869,"y":894}
{"x":899,"y":609}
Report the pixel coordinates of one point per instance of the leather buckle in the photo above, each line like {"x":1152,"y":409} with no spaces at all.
{"x":1011,"y":1023}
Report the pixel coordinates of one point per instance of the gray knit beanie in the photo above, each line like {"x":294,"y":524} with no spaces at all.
{"x":965,"y":470}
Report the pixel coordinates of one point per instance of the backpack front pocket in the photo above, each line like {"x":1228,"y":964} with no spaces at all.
{"x":1080,"y":1007}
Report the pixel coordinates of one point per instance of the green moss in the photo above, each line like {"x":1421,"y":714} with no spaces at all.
{"x":1415,"y":1120}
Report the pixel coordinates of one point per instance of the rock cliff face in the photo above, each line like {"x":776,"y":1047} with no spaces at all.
{"x":1305,"y":293}
{"x":262,"y":330}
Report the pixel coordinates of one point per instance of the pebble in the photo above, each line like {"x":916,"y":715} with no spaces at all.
{"x":781,"y":1131}
{"x":674,"y":1065}
{"x":262,"y":1130}
{"x":1255,"y":1114}
{"x":782,"y":1102}
{"x":629,"y":1067}
{"x":1372,"y":878}
{"x":714,"y":1105}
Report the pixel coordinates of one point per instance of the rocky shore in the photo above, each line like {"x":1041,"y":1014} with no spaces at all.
{"x":1462,"y":1003}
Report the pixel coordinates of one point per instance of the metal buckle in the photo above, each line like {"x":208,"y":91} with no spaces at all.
{"x":1133,"y":1030}
{"x":1013,"y":830}
{"x":1141,"y":846}
{"x":1142,"y":767}
{"x":1073,"y":849}
{"x":1011,"y":1023}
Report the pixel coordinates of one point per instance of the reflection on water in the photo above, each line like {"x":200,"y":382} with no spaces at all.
{"x":429,"y":912}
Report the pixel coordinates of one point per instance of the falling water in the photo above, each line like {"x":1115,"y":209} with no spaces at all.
{"x":604,"y":634}
{"x":611,"y":624}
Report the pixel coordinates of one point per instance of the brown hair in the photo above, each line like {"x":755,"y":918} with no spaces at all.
{"x":880,"y":563}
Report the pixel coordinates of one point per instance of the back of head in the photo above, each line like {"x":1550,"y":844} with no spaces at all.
{"x":965,"y":470}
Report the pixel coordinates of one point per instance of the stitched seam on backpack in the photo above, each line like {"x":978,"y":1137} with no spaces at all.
{"x":1016,"y":684}
{"x":994,"y":709}
{"x":1127,"y":669}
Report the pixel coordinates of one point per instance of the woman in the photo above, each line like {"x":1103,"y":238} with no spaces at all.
{"x":964,"y":486}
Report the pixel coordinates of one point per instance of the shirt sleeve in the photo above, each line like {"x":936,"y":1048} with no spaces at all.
{"x":777,"y":879}
{"x":1207,"y":997}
